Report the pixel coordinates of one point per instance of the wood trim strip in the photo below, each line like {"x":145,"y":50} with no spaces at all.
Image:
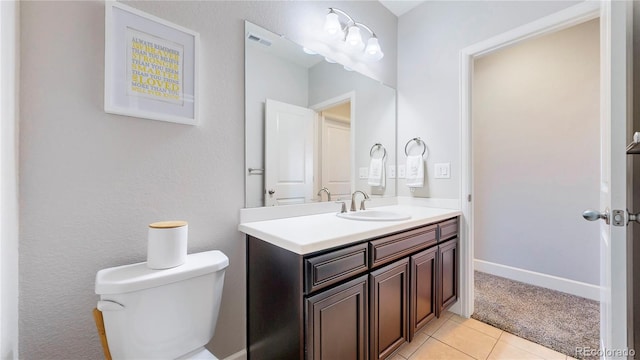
{"x":393,"y":247}
{"x":448,"y":229}
{"x":327,"y":269}
{"x":97,"y":317}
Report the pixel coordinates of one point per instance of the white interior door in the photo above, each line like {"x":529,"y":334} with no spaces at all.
{"x":615,"y":50}
{"x":336,"y":157}
{"x":615,"y":42}
{"x":288,"y":153}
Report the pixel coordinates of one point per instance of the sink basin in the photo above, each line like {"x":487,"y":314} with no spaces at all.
{"x":374,"y":215}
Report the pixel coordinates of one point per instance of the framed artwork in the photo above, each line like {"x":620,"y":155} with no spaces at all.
{"x":150,"y":68}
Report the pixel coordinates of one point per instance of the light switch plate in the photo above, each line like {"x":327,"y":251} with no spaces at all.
{"x":391,"y":172}
{"x":402,"y":171}
{"x":443,"y":171}
{"x":363,"y":173}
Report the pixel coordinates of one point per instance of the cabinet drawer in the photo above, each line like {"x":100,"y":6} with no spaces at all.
{"x":396,"y":246}
{"x":324,"y":270}
{"x":448,"y":229}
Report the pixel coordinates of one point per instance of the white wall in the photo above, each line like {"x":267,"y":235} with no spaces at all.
{"x":429,"y":40}
{"x":536,"y":154}
{"x":9,"y":110}
{"x":90,"y":182}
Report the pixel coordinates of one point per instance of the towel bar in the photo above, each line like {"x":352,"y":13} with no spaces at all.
{"x":378,"y":146}
{"x":419,"y":141}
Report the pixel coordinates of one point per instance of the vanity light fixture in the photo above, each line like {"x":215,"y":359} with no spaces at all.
{"x":349,"y":36}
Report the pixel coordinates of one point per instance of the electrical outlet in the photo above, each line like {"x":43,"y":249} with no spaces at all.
{"x":391,"y":172}
{"x":363,"y":173}
{"x":443,"y":171}
{"x":402,"y":171}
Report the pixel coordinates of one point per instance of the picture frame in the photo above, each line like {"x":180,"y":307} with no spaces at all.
{"x":151,"y":66}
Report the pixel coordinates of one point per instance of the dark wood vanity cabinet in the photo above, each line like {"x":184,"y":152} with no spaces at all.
{"x":389,"y":308}
{"x":448,"y":274}
{"x":423,"y":289}
{"x":448,"y":265}
{"x":360,"y":301}
{"x":337,"y":322}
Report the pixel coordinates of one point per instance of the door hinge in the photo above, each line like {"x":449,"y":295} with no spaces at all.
{"x":469,"y":198}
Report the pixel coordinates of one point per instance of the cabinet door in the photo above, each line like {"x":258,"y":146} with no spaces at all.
{"x":448,"y":274}
{"x":389,"y":302}
{"x":337,"y":322}
{"x":422,"y":295}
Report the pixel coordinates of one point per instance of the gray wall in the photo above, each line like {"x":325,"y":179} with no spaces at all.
{"x":90,"y":182}
{"x":536,"y":162}
{"x":430,"y":38}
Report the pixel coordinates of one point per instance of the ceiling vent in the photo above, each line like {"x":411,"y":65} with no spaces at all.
{"x":258,"y":39}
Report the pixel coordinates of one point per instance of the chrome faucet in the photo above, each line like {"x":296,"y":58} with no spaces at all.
{"x":353,"y":200}
{"x":343,"y":208}
{"x":325,"y":190}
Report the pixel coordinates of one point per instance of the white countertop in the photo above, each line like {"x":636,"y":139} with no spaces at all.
{"x":311,"y":233}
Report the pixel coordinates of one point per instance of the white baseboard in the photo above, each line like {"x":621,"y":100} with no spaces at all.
{"x":240,"y":355}
{"x":568,"y":286}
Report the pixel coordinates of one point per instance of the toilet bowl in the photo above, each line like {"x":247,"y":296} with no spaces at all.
{"x":162,"y":314}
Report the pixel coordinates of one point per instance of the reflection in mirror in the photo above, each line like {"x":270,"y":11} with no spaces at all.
{"x":311,"y":125}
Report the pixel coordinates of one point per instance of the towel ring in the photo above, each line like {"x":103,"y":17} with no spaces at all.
{"x":419,"y":141}
{"x":378,"y":146}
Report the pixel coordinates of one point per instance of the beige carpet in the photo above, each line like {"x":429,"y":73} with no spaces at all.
{"x":559,"y":321}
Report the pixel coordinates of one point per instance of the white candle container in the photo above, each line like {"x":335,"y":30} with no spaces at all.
{"x":167,"y":244}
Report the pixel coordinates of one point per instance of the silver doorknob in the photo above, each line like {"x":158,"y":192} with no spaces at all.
{"x":593,"y":215}
{"x":271,"y":192}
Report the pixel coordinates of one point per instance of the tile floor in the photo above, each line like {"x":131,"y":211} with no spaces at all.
{"x":452,"y":337}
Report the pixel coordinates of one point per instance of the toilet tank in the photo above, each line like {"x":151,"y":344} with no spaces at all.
{"x":161,"y":314}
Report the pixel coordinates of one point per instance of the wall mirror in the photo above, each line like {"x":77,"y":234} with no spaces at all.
{"x":312,"y":124}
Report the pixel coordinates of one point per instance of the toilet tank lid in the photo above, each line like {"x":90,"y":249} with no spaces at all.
{"x":128,"y":278}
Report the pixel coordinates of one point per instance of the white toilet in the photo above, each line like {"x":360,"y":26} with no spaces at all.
{"x":162,"y":314}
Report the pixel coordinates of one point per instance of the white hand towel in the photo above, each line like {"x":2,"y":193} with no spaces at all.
{"x":415,"y":171}
{"x":376,"y":172}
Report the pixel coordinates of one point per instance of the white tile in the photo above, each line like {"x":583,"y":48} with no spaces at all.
{"x":433,"y":349}
{"x":465,"y":339}
{"x":434,"y":325}
{"x":477,"y":325}
{"x":397,"y":357}
{"x":531,"y":347}
{"x":504,"y":351}
{"x":409,"y":348}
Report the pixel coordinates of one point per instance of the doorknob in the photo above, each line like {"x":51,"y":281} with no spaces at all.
{"x":593,"y":215}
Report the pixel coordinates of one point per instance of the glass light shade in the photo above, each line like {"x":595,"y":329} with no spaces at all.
{"x":308,"y":51}
{"x":373,"y":52}
{"x":332,"y":25}
{"x":354,"y":39}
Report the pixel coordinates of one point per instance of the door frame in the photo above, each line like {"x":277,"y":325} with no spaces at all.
{"x":319,"y":107}
{"x":325,"y":123}
{"x":9,"y":206}
{"x":566,"y":18}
